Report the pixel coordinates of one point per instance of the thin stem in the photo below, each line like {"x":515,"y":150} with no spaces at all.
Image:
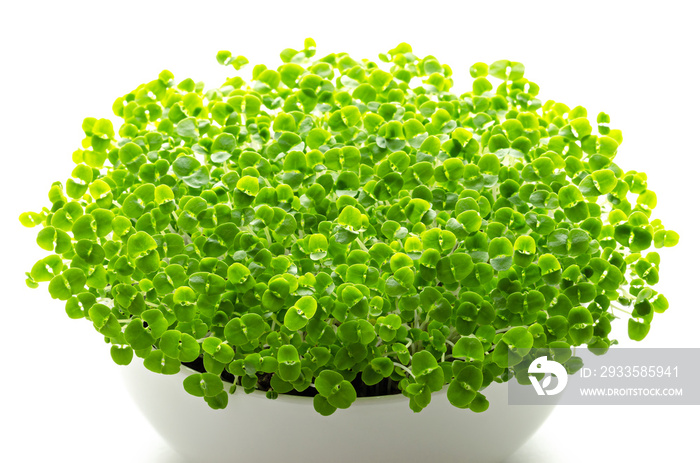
{"x":406,"y":369}
{"x":620,"y":309}
{"x":275,"y":322}
{"x":425,"y":322}
{"x":625,"y":293}
{"x":105,"y":301}
{"x":453,"y":334}
{"x":503,"y":330}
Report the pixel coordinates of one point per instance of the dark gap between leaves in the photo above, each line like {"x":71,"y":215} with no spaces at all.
{"x":385,"y":387}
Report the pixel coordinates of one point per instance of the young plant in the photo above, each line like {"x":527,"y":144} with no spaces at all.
{"x":342,"y":228}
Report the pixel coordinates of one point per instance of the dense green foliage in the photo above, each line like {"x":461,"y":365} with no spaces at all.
{"x":335,"y":220}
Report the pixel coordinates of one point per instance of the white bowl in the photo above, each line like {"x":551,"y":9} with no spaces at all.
{"x":374,"y":429}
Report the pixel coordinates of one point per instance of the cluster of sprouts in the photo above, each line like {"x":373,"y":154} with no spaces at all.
{"x":342,"y":227}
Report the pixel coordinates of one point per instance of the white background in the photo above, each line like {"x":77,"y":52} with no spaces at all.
{"x":62,"y":397}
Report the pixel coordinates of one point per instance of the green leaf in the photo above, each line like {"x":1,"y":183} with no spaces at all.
{"x":71,"y":281}
{"x":298,"y":316}
{"x":379,"y":79}
{"x":335,"y":389}
{"x":507,"y":70}
{"x":365,"y":92}
{"x":351,"y":218}
{"x":464,"y":387}
{"x":104,"y":321}
{"x":501,"y":254}
{"x":52,"y":239}
{"x":248,"y":328}
{"x":181,"y":346}
{"x":322,"y":406}
{"x":122,"y":355}
{"x":142,"y":251}
{"x":156,"y":362}
{"x":524,"y":250}
{"x":187,"y":128}
{"x":469,"y":348}
{"x":637,"y":330}
{"x":427,"y":371}
{"x":289,"y":364}
{"x":203,"y":385}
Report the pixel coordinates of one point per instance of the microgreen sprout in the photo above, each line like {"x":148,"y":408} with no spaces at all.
{"x":340,"y":228}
